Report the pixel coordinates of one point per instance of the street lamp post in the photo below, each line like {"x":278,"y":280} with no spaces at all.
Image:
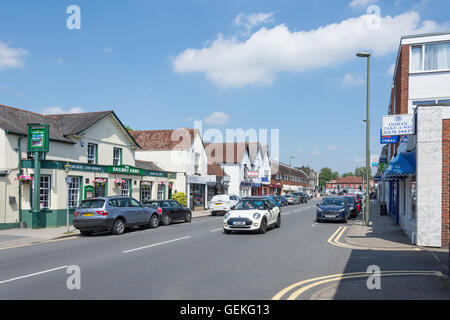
{"x":68,"y":181}
{"x":366,"y":216}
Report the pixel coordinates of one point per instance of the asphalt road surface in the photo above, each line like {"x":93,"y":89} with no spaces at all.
{"x":198,"y":261}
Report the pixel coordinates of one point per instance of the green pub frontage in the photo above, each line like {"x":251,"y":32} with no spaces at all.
{"x":49,"y":164}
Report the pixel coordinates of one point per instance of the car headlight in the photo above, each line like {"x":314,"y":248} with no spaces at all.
{"x":225,"y":217}
{"x":257,"y":215}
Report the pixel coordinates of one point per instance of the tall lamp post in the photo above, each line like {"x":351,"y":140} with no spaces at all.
{"x":366,"y":216}
{"x":68,"y":182}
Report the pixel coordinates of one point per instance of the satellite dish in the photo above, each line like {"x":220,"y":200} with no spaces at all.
{"x":82,"y":144}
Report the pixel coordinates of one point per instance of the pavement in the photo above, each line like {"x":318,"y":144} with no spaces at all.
{"x":17,"y":236}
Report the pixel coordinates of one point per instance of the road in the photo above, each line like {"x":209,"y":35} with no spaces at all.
{"x":198,"y":261}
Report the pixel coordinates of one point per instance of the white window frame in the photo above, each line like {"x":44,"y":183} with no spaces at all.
{"x":422,"y":69}
{"x":74,"y":192}
{"x":94,"y":156}
{"x":125,"y":190}
{"x":117,"y":160}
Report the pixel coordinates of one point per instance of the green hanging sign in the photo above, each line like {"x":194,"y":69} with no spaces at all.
{"x":38,"y":137}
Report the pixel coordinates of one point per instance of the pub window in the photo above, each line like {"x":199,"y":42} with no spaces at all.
{"x":126,"y":188}
{"x":45,"y":192}
{"x":74,"y":192}
{"x":117,"y":157}
{"x":92,"y":153}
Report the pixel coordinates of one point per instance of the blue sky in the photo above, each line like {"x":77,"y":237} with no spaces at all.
{"x":285,"y":64}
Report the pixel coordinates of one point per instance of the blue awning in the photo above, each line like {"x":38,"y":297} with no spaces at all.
{"x":402,"y":166}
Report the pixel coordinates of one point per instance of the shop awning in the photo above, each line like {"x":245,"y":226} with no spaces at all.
{"x":401,"y":167}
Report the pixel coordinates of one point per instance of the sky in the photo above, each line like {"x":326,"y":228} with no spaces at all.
{"x":284,"y":65}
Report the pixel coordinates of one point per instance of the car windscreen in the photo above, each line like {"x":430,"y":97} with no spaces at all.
{"x":333,"y":202}
{"x":250,"y":205}
{"x":349,"y":200}
{"x":94,"y":203}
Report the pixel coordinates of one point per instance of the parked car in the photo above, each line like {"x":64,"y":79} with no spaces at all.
{"x":352,"y":204}
{"x":221,"y":204}
{"x":358,"y":201}
{"x":332,"y":209}
{"x":303,"y":197}
{"x":252,"y":214}
{"x":113,"y":214}
{"x":282,"y":200}
{"x":169,"y":211}
{"x":293,"y":199}
{"x":274,"y":201}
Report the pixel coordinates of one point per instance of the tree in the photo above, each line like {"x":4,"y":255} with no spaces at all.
{"x":326,"y":175}
{"x":361,"y":172}
{"x":348,"y":174}
{"x":128,"y":128}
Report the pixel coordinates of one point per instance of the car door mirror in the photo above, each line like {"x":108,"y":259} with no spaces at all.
{"x":317,"y":204}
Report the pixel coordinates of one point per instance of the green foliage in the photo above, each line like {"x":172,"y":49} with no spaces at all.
{"x":181,"y":198}
{"x":348,"y":174}
{"x":361,"y":172}
{"x":325,"y":175}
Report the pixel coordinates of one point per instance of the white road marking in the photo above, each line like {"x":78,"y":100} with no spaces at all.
{"x":156,"y":244}
{"x":33,"y":274}
{"x":216,"y":230}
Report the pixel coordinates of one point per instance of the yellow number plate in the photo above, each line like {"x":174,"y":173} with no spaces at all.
{"x":88,"y":214}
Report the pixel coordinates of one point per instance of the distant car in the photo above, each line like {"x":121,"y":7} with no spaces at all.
{"x":282,"y":200}
{"x":169,"y":211}
{"x":332,"y":208}
{"x":352,"y":204}
{"x":293,"y":199}
{"x":252,"y":214}
{"x":274,"y":201}
{"x":358,"y":201}
{"x":221,"y":204}
{"x":113,"y":214}
{"x":303,"y":197}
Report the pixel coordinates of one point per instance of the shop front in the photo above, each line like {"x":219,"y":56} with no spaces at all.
{"x":63,"y":183}
{"x":197,"y":192}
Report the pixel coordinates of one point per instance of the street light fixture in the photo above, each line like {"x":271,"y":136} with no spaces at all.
{"x":366,"y":216}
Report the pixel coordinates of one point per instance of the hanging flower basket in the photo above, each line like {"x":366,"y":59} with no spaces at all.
{"x":99,"y":182}
{"x":119,"y":183}
{"x":23,"y":179}
{"x":146,"y":185}
{"x":162,"y":183}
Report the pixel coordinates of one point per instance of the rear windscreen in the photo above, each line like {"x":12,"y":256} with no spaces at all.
{"x":92,"y":203}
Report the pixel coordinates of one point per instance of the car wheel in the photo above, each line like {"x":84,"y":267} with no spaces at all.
{"x":85,"y":233}
{"x":188,"y":217}
{"x":214,"y":214}
{"x":226,"y":231}
{"x":154,"y":221}
{"x":263,"y":226}
{"x":118,"y":227}
{"x":278,"y":224}
{"x":166,"y":220}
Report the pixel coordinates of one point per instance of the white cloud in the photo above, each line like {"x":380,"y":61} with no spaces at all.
{"x":315,"y":153}
{"x":333,"y":147}
{"x":391,"y":70}
{"x":11,"y":57}
{"x":58,"y":110}
{"x":352,"y":80}
{"x":217,"y":118}
{"x":267,"y":52}
{"x":361,"y":3}
{"x":252,"y":20}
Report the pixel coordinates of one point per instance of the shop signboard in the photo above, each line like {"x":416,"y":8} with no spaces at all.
{"x":125,"y":169}
{"x":38,"y":137}
{"x":388,"y":139}
{"x":398,"y":125}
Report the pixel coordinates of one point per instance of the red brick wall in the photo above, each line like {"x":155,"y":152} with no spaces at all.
{"x":445,"y":183}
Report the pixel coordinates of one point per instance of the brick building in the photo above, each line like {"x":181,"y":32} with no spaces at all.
{"x":346,"y":184}
{"x":415,"y":185}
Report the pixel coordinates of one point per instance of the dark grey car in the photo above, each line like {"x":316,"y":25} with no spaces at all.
{"x":113,"y":214}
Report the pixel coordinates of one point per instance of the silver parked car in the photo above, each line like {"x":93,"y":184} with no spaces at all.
{"x":113,"y":214}
{"x":293,"y":199}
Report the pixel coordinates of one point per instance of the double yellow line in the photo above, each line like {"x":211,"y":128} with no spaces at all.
{"x":303,"y":286}
{"x":336,"y":236}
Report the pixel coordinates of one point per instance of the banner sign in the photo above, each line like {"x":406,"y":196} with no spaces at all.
{"x":125,"y":169}
{"x":38,"y":136}
{"x":388,"y":139}
{"x":398,"y":125}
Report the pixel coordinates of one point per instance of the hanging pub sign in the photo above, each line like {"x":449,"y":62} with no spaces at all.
{"x":38,"y":137}
{"x":398,"y":125}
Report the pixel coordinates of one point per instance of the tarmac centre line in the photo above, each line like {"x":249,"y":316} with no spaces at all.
{"x":156,"y":244}
{"x":303,"y":286}
{"x":33,"y":274}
